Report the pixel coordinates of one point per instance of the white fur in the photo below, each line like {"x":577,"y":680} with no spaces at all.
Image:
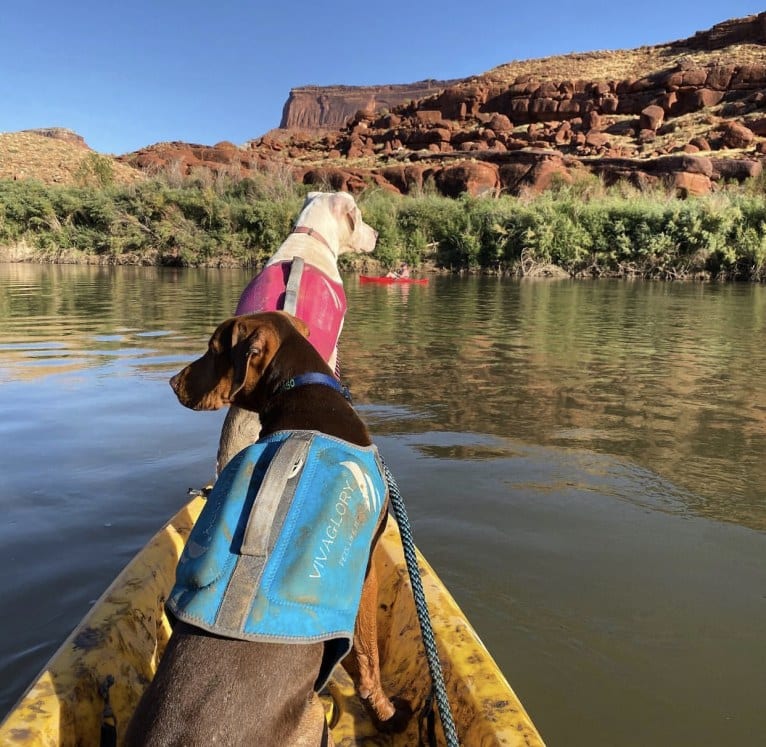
{"x":337,"y":218}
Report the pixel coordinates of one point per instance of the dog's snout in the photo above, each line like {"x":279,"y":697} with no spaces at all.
{"x":174,"y":381}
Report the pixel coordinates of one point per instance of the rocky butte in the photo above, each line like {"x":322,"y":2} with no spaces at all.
{"x":689,"y":113}
{"x":331,"y":107}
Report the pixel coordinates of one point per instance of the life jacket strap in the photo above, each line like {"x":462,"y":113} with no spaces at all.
{"x":293,"y":285}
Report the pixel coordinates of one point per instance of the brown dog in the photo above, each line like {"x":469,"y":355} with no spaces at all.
{"x":210,"y":689}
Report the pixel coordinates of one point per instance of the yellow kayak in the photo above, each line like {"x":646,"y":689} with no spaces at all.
{"x":114,"y":652}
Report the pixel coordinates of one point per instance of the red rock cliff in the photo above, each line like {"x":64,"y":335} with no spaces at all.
{"x":313,"y":107}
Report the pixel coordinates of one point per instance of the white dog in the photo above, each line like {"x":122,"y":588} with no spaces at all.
{"x":302,"y":278}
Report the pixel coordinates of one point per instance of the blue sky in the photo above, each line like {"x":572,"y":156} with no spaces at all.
{"x":132,"y":73}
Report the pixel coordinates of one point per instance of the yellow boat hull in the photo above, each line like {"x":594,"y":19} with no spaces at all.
{"x":125,"y":633}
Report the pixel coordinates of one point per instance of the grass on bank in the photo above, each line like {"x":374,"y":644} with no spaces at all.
{"x":580,"y":230}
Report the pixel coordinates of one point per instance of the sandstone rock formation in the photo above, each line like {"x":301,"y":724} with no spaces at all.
{"x":735,"y":31}
{"x":56,"y":156}
{"x":313,"y":107}
{"x":59,"y":133}
{"x":187,"y":159}
{"x":690,"y":114}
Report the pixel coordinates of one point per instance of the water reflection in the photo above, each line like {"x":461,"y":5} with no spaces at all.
{"x":665,"y":375}
{"x":669,"y":376}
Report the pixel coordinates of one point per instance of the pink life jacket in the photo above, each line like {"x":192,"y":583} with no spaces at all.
{"x":321,"y":302}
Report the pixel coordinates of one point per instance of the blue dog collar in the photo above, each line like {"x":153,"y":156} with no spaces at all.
{"x":314,"y":378}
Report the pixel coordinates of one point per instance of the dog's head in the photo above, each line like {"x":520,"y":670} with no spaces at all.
{"x":354,"y":235}
{"x":239,"y":352}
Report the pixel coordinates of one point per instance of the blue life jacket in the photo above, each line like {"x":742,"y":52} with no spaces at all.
{"x":280,"y":550}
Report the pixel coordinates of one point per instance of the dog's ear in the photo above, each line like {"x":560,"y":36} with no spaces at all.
{"x":344,"y":208}
{"x":343,"y":204}
{"x":254,"y":342}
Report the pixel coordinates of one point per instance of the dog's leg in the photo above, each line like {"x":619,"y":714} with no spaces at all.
{"x":315,"y":713}
{"x":240,"y":429}
{"x":363,"y":663}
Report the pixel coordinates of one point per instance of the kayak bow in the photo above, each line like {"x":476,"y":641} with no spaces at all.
{"x":95,"y":679}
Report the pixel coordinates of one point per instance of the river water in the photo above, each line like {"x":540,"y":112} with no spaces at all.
{"x":583,"y":464}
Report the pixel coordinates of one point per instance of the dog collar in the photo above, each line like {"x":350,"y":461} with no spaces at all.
{"x":314,"y":234}
{"x":313,"y":378}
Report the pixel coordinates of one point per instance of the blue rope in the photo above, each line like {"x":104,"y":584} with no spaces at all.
{"x":429,"y":642}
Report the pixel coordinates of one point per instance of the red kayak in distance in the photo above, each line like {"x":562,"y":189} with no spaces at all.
{"x":383,"y":280}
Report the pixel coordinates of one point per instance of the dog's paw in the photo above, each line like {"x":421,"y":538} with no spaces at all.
{"x":398,"y":722}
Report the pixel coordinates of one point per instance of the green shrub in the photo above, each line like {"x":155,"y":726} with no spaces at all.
{"x":583,"y":228}
{"x":381,"y":212}
{"x":95,"y":169}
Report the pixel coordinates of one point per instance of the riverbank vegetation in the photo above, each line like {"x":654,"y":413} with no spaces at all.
{"x":579,"y":230}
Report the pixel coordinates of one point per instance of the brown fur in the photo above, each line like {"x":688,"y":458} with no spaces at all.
{"x":214,"y":690}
